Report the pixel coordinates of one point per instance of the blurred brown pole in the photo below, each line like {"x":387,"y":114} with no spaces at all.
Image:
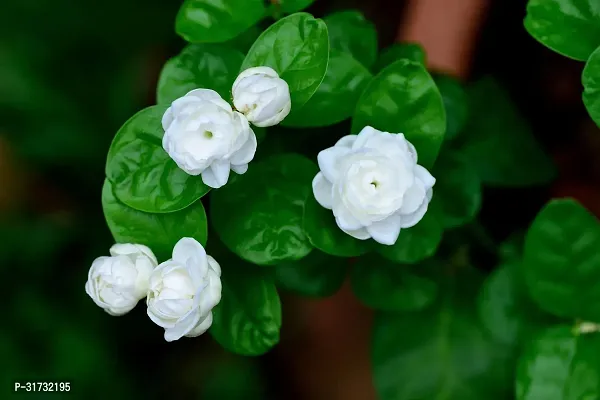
{"x":447,"y":29}
{"x":328,"y":357}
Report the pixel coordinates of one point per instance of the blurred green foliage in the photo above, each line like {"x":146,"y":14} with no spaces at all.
{"x":70,"y":74}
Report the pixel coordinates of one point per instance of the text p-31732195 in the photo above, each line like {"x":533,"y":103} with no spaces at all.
{"x":41,"y":386}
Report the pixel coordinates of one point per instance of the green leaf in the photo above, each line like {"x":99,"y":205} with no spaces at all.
{"x":245,"y":40}
{"x":214,"y":21}
{"x":336,"y":97}
{"x":419,"y":242}
{"x":499,"y":142}
{"x":456,"y":104}
{"x":292,"y":6}
{"x":441,"y":352}
{"x":259,"y":216}
{"x":457,"y":189}
{"x":569,"y":27}
{"x":160,"y":232}
{"x":316,"y":275}
{"x":559,"y":365}
{"x":398,"y":51}
{"x":562,"y":260}
{"x":323,"y":232}
{"x":591,"y":86}
{"x":205,"y":66}
{"x":297,"y":47}
{"x":382,"y":285}
{"x":142,"y":174}
{"x":248,"y":318}
{"x":403,"y":98}
{"x":506,"y":309}
{"x":350,"y":32}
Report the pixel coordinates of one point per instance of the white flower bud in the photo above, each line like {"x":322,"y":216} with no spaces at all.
{"x":203,"y":135}
{"x":373,"y":184}
{"x":184,"y":290}
{"x":118,"y":282}
{"x":262,"y":96}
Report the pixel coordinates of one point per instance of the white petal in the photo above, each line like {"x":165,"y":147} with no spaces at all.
{"x":209,"y":296}
{"x":246,"y":153}
{"x":279,"y":116}
{"x":386,"y":231}
{"x":118,"y":311}
{"x":160,"y":320}
{"x":190,"y":250}
{"x":346,"y":141}
{"x":323,"y":191}
{"x":214,"y":265}
{"x":125,"y":249}
{"x":202,"y":326}
{"x":413,"y":198}
{"x":239,"y":169}
{"x":365,"y":134}
{"x":204,"y":94}
{"x":412,"y":219}
{"x":255,"y":71}
{"x":424,"y":176}
{"x":328,"y":161}
{"x":361,"y":234}
{"x":217,"y":174}
{"x":182,"y":327}
{"x":344,"y":219}
{"x":167,"y":118}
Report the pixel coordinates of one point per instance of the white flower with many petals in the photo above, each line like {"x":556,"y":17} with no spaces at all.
{"x":118,"y":282}
{"x":203,"y":135}
{"x":373,"y":184}
{"x":184,"y":290}
{"x":262,"y":96}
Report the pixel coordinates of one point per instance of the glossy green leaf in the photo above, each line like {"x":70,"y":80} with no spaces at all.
{"x":456,"y":104}
{"x":419,"y":242}
{"x":316,"y":275}
{"x":398,"y":51}
{"x":259,"y":216}
{"x":336,"y":97}
{"x":292,"y":6}
{"x":297,"y":48}
{"x":325,"y":235}
{"x":569,"y":27}
{"x":562,"y":260}
{"x":245,"y":40}
{"x":205,"y":66}
{"x":142,"y":174}
{"x":507,"y":310}
{"x":383,"y":285}
{"x":591,"y":86}
{"x":248,"y":318}
{"x":499,"y":142}
{"x":350,"y":32}
{"x":441,"y":352}
{"x":160,"y":232}
{"x":559,"y":365}
{"x":403,"y":98}
{"x":214,"y":21}
{"x":457,"y":189}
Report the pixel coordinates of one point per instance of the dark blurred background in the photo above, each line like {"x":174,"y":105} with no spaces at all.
{"x":70,"y":74}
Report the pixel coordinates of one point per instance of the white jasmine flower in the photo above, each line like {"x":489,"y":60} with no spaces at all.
{"x":373,"y":184}
{"x":203,"y":135}
{"x":262,"y":96}
{"x":184,"y":290}
{"x":118,"y":282}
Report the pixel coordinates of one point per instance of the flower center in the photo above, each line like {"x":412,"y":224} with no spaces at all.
{"x":374,"y":183}
{"x":208,"y":134}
